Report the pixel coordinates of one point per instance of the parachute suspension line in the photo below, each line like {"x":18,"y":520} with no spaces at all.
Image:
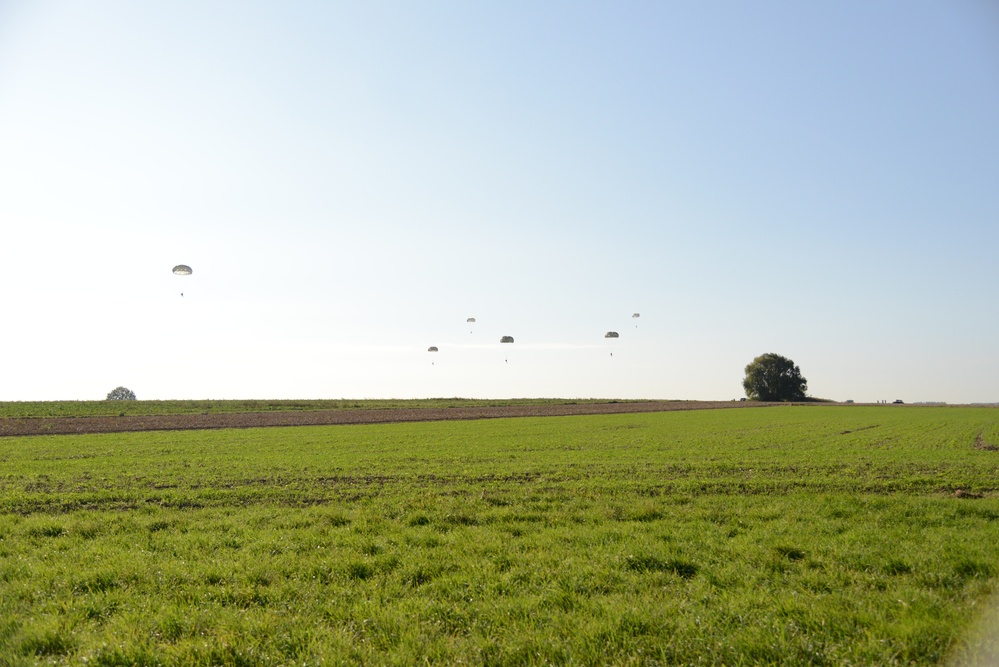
{"x":506,"y":339}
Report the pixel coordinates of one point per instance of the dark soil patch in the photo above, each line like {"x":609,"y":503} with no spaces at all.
{"x":981,"y":444}
{"x":73,"y":425}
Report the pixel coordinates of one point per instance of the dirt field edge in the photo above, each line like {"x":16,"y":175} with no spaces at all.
{"x":22,"y":426}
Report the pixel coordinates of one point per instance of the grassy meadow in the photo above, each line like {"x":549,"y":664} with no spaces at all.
{"x":819,"y":535}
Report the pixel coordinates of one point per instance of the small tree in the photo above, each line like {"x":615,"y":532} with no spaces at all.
{"x":771,"y":377}
{"x":121,"y":394}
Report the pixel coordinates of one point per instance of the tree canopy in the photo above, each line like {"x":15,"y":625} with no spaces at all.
{"x":121,"y":394}
{"x":771,"y":377}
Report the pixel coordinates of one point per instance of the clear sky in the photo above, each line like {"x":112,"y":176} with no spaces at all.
{"x":350,"y":181}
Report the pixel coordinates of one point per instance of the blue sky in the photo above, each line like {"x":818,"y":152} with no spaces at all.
{"x":351,"y":181}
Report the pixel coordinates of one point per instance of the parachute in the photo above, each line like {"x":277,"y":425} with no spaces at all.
{"x":635,"y":316}
{"x":182,"y":270}
{"x":432,"y":348}
{"x":470,"y":320}
{"x":612,"y":334}
{"x":506,"y":339}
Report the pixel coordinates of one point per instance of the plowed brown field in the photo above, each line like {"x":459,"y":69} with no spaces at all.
{"x":66,"y":425}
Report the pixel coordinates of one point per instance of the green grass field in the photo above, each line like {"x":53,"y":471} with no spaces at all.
{"x":825,"y":535}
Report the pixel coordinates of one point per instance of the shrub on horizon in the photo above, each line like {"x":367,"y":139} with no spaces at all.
{"x":121,"y":394}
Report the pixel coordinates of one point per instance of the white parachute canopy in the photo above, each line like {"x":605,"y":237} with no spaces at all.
{"x":182,"y":270}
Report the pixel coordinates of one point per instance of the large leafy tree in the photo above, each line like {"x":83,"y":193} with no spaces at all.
{"x":121,"y":394}
{"x":771,"y":377}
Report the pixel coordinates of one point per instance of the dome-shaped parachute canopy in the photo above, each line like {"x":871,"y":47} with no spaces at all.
{"x":432,"y":348}
{"x":636,"y":315}
{"x":471,"y":320}
{"x":182,"y":270}
{"x":506,"y":339}
{"x":611,"y":334}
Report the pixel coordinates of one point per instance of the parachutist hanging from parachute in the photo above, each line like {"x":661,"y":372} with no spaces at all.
{"x":611,"y":334}
{"x":470,"y":320}
{"x":506,"y":339}
{"x":432,"y":348}
{"x":635,"y":316}
{"x":182,"y":270}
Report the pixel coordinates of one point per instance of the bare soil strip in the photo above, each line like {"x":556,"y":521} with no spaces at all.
{"x":981,"y":444}
{"x":73,"y":425}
